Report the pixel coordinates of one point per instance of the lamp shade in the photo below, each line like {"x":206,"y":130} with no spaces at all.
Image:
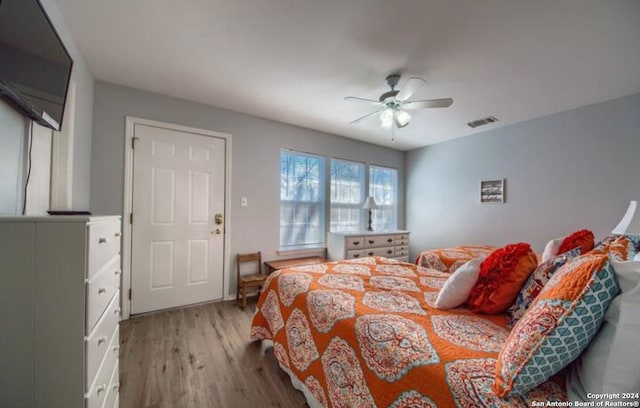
{"x":370,"y":204}
{"x":630,"y":222}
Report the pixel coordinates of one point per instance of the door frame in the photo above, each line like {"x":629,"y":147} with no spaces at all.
{"x":131,"y":121}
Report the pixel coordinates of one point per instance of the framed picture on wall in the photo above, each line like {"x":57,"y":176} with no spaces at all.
{"x":492,"y":191}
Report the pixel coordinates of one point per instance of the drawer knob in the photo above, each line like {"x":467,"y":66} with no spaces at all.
{"x":372,"y":241}
{"x":102,"y":290}
{"x":356,"y":242}
{"x":117,"y":234}
{"x":370,"y":253}
{"x":389,"y":252}
{"x":356,"y":255}
{"x":101,"y":340}
{"x":102,"y":240}
{"x":390,"y":240}
{"x":101,"y":389}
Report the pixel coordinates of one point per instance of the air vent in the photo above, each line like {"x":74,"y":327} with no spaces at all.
{"x":482,"y":122}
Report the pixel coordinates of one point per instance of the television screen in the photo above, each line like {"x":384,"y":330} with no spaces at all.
{"x":35,"y":67}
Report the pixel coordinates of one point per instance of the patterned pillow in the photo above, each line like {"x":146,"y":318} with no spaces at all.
{"x":501,"y":277}
{"x":583,"y":239}
{"x":557,"y":326}
{"x":619,"y":247}
{"x":536,"y":282}
{"x":624,"y":247}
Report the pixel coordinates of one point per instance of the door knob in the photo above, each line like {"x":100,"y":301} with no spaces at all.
{"x":218,"y":218}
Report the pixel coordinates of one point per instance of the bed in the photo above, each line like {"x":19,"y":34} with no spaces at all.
{"x":450,"y":259}
{"x":364,"y":333}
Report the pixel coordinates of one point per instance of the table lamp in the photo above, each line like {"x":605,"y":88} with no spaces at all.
{"x":370,"y":204}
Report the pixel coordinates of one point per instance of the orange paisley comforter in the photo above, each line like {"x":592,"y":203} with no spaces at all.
{"x":364,"y":333}
{"x":450,"y":259}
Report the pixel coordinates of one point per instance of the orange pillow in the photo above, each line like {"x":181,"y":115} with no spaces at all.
{"x":502,"y":275}
{"x":583,"y":238}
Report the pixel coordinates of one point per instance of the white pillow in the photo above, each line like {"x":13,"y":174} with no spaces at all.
{"x":637,"y":257}
{"x":551,"y":249}
{"x":611,"y":364}
{"x":456,"y":289}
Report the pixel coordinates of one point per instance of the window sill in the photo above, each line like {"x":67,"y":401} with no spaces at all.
{"x":319,"y":251}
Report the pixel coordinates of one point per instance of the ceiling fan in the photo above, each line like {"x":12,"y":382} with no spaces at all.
{"x":393,"y":105}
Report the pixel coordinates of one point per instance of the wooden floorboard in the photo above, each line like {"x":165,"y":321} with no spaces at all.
{"x":199,"y":357}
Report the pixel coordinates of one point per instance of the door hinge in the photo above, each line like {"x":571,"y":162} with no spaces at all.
{"x":130,"y":218}
{"x":129,"y":294}
{"x":133,"y":142}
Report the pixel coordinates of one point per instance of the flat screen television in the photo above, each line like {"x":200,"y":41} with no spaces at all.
{"x":35,"y":66}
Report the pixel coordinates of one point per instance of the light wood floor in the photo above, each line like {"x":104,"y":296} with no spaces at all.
{"x":199,"y":357}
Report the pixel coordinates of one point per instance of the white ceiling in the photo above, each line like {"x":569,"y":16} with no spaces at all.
{"x":295,"y":60}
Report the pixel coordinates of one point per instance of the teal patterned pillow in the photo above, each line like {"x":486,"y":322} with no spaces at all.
{"x":621,"y":248}
{"x":536,"y":282}
{"x":558,"y":325}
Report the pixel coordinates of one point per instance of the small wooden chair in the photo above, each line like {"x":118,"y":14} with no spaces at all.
{"x":248,"y":281}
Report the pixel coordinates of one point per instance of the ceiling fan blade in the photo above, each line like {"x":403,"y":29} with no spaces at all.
{"x":357,"y":99}
{"x":409,"y":88}
{"x":428,"y":103}
{"x":353,"y":122}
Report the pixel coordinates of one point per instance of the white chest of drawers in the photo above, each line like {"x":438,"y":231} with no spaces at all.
{"x":390,"y":244}
{"x":59,"y":311}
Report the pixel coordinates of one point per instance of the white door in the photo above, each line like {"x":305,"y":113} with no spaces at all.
{"x":177,"y":253}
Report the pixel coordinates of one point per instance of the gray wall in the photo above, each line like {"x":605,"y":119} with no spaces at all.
{"x":572,"y":170}
{"x":255,"y":161}
{"x":12,"y":132}
{"x":12,"y":140}
{"x":83,"y":120}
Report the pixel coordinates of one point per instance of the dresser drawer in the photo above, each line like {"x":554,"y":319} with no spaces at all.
{"x":98,"y":392}
{"x":104,"y":243}
{"x":354,"y":254}
{"x":401,"y":252}
{"x":100,"y":290}
{"x":401,"y":248}
{"x":383,"y":251}
{"x":113,"y":388}
{"x":402,"y":239}
{"x":354,"y":242}
{"x":98,"y":341}
{"x":379,"y":241}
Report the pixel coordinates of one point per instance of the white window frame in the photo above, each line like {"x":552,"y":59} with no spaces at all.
{"x":380,"y":205}
{"x":322,"y":169}
{"x":356,"y":206}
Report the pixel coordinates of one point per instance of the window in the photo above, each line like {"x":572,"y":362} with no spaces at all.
{"x":347,"y":195}
{"x":383,"y":187}
{"x":301,"y":200}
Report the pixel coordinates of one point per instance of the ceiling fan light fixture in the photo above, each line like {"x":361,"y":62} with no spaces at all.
{"x":386,"y":118}
{"x":392,"y":106}
{"x":403,"y":117}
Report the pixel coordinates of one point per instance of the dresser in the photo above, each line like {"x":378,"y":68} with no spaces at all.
{"x":390,"y":244}
{"x":59,"y":311}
